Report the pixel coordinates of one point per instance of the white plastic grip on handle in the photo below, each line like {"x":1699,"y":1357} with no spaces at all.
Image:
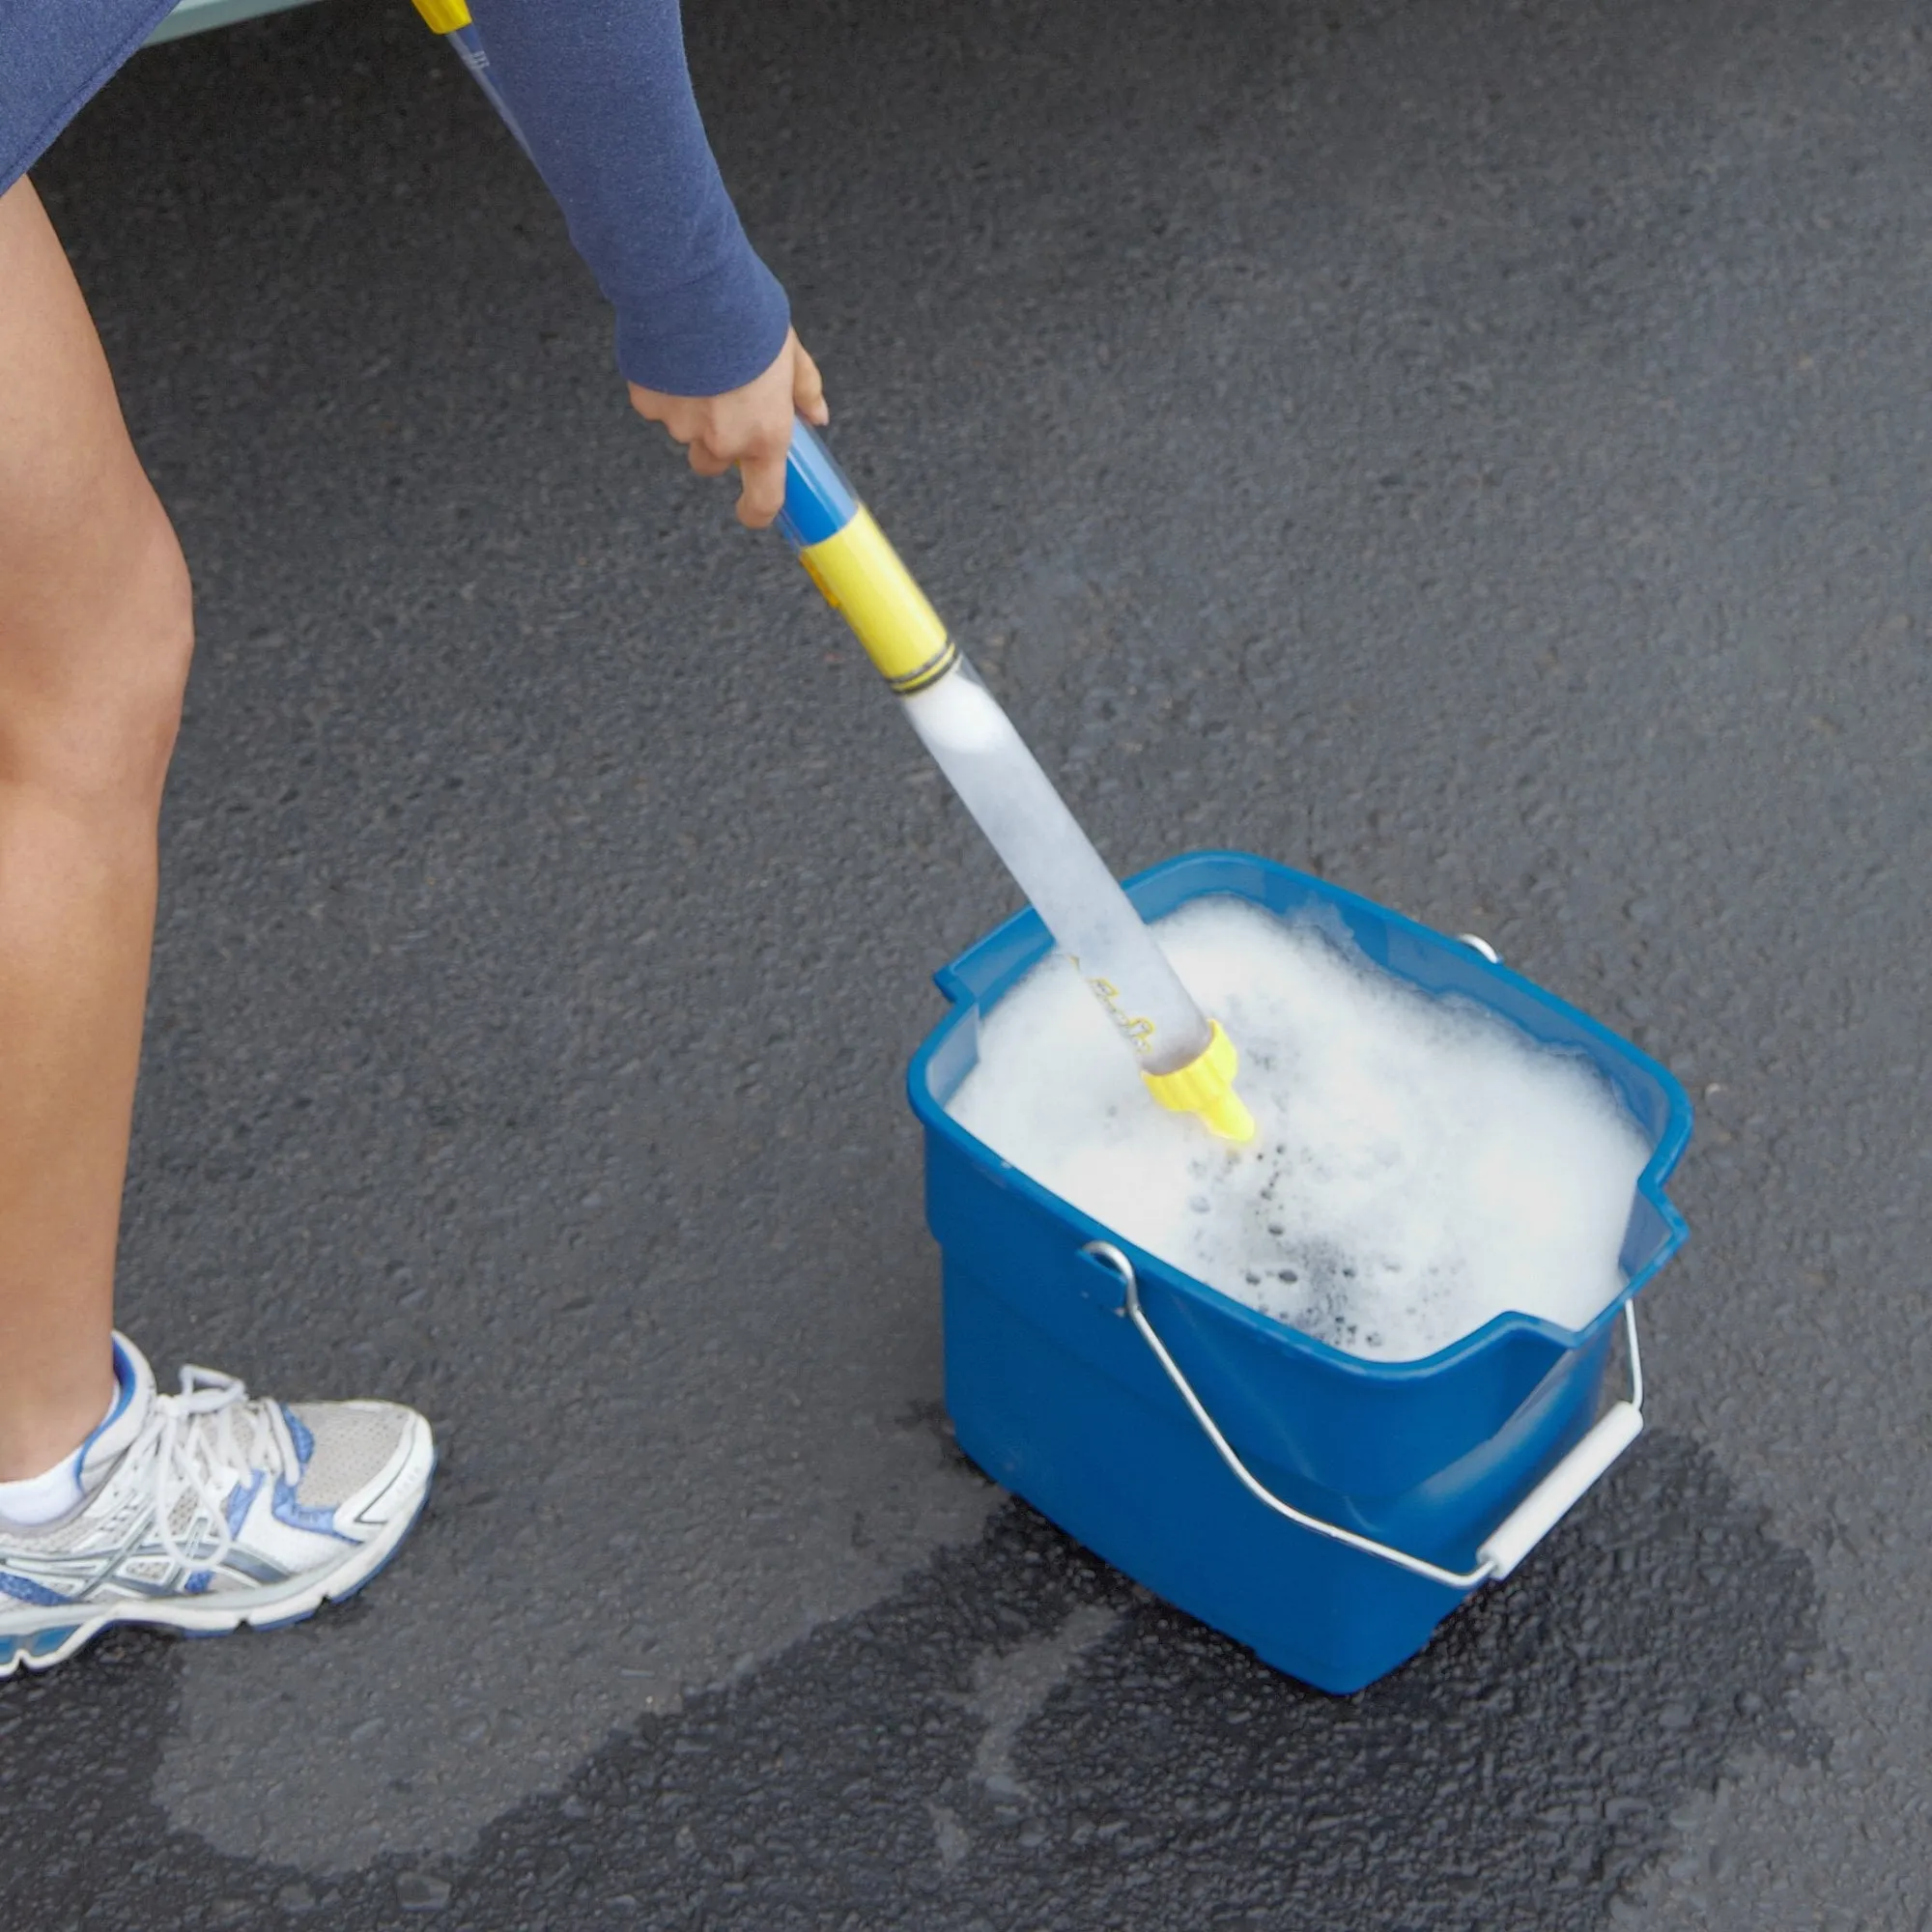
{"x":1560,"y":1492}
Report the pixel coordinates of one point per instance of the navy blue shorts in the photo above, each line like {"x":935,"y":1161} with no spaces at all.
{"x":55,"y":56}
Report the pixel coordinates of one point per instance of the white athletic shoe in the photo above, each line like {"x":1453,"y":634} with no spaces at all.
{"x":207,"y":1510}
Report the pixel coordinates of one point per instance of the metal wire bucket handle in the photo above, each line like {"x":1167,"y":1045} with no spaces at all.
{"x":1507,"y":1545}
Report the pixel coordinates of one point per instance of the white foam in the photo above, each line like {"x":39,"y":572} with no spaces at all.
{"x":1420,"y":1165}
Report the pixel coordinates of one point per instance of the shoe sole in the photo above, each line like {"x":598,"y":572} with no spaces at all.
{"x":199,"y":1617}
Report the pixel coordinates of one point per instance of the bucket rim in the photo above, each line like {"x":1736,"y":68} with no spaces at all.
{"x":977,"y":977}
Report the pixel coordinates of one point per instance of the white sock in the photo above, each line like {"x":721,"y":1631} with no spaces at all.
{"x":53,"y":1493}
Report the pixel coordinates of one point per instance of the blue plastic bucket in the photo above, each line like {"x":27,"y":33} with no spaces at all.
{"x":1327,"y":1511}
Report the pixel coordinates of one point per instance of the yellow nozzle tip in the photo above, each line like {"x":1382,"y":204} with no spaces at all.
{"x":443,"y":16}
{"x":1206,"y":1087}
{"x":1228,"y":1117}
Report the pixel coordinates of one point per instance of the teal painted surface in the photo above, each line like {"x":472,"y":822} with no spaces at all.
{"x":196,"y":16}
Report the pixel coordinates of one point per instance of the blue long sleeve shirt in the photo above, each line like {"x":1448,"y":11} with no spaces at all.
{"x":603,"y":95}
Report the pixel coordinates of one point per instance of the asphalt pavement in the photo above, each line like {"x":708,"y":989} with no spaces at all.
{"x":1474,"y":451}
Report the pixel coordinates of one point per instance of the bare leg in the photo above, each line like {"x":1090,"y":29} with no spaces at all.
{"x":95,"y":634}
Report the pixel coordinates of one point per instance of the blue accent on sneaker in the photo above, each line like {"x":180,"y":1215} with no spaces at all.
{"x":27,"y":1591}
{"x":241,"y":1498}
{"x":7,"y":1646}
{"x":123,"y":1386}
{"x":301,"y":1434}
{"x":42,"y":1641}
{"x":290,"y":1509}
{"x":196,"y":1583}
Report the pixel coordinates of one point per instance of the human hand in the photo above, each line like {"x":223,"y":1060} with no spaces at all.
{"x":750,"y":427}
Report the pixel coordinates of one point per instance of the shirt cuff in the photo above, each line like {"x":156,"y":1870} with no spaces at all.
{"x":714,"y":334}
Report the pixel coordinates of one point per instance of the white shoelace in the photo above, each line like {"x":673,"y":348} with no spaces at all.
{"x":198,"y":1454}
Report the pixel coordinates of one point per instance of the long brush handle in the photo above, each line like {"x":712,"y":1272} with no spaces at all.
{"x":1187,"y":1060}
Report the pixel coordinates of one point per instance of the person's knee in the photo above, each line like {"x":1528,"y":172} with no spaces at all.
{"x":91,"y":689}
{"x":144,"y":716}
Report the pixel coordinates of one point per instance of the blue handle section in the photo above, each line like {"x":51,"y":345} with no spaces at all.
{"x":818,"y":502}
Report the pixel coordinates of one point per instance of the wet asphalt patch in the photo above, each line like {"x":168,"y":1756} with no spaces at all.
{"x":1019,"y":1738}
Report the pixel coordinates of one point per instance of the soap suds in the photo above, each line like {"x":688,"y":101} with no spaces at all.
{"x":1420,"y":1165}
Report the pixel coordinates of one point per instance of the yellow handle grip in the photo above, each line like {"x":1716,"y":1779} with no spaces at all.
{"x":861,"y":576}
